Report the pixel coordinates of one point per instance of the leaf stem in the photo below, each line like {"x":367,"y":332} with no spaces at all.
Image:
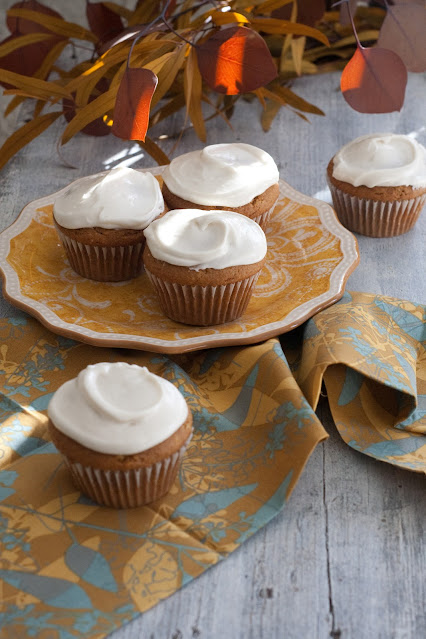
{"x":169,"y":26}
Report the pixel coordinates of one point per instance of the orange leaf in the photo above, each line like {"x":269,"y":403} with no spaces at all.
{"x":25,"y":134}
{"x":308,"y":12}
{"x":235,"y":60}
{"x":374,"y":81}
{"x":131,"y":112}
{"x":104,"y":22}
{"x":403,"y":31}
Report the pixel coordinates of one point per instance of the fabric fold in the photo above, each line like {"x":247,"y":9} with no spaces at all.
{"x":370,"y":352}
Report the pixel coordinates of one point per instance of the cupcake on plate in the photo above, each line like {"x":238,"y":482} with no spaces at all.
{"x":122,"y":432}
{"x":235,"y":177}
{"x":204,"y":264}
{"x":100,"y":221}
{"x":378,"y":184}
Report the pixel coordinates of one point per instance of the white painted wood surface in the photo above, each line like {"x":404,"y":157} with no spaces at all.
{"x":346,"y":558}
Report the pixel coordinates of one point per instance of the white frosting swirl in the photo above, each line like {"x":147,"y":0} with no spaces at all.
{"x":382,"y":159}
{"x":118,"y":408}
{"x":121,"y":199}
{"x":206,"y":239}
{"x":221,"y":174}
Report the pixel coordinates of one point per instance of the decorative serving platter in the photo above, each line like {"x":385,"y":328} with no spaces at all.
{"x":310,"y":256}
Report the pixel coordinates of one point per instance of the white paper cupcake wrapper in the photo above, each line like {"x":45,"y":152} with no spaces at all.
{"x":104,"y":263}
{"x":203,"y":305}
{"x":130,"y":488}
{"x":263,"y":219}
{"x":373,"y":218}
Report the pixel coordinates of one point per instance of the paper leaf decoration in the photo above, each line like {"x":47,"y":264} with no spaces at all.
{"x":404,"y":32}
{"x":131,"y":112}
{"x":374,"y":81}
{"x":22,"y":25}
{"x":104,"y":22}
{"x":235,"y":60}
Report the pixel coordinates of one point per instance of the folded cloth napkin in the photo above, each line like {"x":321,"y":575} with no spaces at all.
{"x":370,"y":352}
{"x":76,"y":568}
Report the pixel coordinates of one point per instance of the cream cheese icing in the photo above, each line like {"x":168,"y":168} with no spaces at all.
{"x":383,"y":159}
{"x":118,"y":408}
{"x":121,"y":199}
{"x":206,"y":239}
{"x":221,"y":174}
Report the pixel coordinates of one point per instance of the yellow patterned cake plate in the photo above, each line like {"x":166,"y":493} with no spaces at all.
{"x":310,"y":257}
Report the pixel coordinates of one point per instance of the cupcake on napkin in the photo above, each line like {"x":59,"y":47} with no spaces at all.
{"x":378,"y":184}
{"x":122,"y":432}
{"x":236,"y":177}
{"x":204,"y":264}
{"x":100,"y":221}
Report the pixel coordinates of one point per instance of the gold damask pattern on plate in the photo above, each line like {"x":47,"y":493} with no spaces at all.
{"x":310,"y":256}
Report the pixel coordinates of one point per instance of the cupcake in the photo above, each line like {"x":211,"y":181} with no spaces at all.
{"x":378,"y":184}
{"x":234,"y":177}
{"x":100,"y":221}
{"x":204,"y":264}
{"x":122,"y":432}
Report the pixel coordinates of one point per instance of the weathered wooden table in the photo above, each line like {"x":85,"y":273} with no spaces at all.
{"x":347,"y":556}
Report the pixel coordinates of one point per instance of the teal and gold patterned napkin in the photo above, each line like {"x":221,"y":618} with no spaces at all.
{"x":370,"y":351}
{"x":72,"y":568}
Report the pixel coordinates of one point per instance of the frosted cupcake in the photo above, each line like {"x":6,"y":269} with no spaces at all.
{"x":100,"y":221}
{"x":204,"y":264}
{"x":378,"y":184}
{"x":122,"y":432}
{"x":236,"y":177}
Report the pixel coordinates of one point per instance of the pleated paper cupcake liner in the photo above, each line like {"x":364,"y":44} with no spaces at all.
{"x":203,"y":305}
{"x":104,"y":263}
{"x":374,"y":218}
{"x":127,"y":488}
{"x":264,"y":218}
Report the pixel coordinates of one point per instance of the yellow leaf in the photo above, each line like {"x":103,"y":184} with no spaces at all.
{"x":25,"y":134}
{"x":154,"y":151}
{"x":33,"y":86}
{"x":260,"y":95}
{"x":297,"y":50}
{"x":168,"y":73}
{"x":158,"y":63}
{"x":56,"y":25}
{"x":227,"y":17}
{"x":13,"y":104}
{"x":49,"y":60}
{"x":286,"y":97}
{"x":23,"y":41}
{"x":193,"y":93}
{"x":96,"y":109}
{"x":268,"y":115}
{"x":173,"y":105}
{"x":274,"y":25}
